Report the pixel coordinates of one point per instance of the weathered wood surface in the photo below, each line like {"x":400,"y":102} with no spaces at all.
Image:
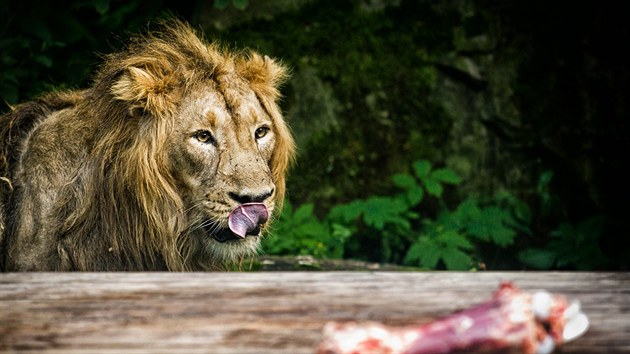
{"x":268,"y":312}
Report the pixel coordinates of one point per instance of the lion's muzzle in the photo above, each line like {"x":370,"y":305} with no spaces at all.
{"x":245,"y":220}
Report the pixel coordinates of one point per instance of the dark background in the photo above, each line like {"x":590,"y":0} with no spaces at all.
{"x":528,"y":97}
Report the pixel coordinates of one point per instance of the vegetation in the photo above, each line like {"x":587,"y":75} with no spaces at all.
{"x":476,"y":234}
{"x":448,"y":135}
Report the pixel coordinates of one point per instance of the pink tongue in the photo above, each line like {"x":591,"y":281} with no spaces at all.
{"x":247,"y":217}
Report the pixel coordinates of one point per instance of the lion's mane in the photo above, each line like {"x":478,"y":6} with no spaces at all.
{"x":122,"y":198}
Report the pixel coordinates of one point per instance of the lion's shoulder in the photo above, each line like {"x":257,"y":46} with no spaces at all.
{"x":15,"y":126}
{"x":22,"y":118}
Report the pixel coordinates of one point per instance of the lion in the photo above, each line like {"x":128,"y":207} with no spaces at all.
{"x":173,"y":159}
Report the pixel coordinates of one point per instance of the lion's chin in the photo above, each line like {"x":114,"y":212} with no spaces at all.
{"x":224,"y":235}
{"x":232,"y":250}
{"x":222,"y":244}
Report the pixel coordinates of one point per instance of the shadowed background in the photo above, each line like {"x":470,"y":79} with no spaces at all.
{"x":444,"y":135}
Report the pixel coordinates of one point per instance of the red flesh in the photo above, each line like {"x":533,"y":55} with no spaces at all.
{"x":504,"y":323}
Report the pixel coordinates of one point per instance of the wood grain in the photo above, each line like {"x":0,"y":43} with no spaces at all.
{"x":268,"y":312}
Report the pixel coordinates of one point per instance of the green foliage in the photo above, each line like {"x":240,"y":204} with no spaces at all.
{"x":455,"y":239}
{"x":394,"y":224}
{"x":54,"y":44}
{"x":300,"y":231}
{"x":549,"y":203}
{"x":569,"y":247}
{"x":489,"y":224}
{"x":392,"y":218}
{"x":438,"y":244}
{"x":376,"y":212}
{"x":432,"y":180}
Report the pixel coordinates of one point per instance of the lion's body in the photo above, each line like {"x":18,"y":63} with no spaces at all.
{"x":138,"y":171}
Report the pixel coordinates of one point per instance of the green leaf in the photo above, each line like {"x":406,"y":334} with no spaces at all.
{"x":454,"y":239}
{"x":413,"y":254}
{"x":455,"y":259}
{"x":449,"y":246}
{"x":537,"y":258}
{"x":433,"y":187}
{"x":240,"y":4}
{"x":381,"y":210}
{"x":40,"y":30}
{"x":445,"y":221}
{"x":421,"y":168}
{"x":341,"y":231}
{"x":221,"y":4}
{"x":415,"y":195}
{"x":546,"y":198}
{"x":287,"y":208}
{"x":101,"y":6}
{"x":446,"y":175}
{"x":491,"y":226}
{"x":412,"y":215}
{"x":591,"y":228}
{"x":43,"y":60}
{"x":467,"y":210}
{"x":424,"y":253}
{"x":544,"y":180}
{"x":304,"y":212}
{"x":522,"y":211}
{"x":347,"y":212}
{"x":401,"y":222}
{"x":519,"y":208}
{"x":578,"y":246}
{"x":404,"y":181}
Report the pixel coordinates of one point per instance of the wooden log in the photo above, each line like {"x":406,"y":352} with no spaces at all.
{"x":268,"y":312}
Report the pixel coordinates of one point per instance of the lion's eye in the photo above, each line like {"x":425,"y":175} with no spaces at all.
{"x":261,"y":132}
{"x":204,"y":136}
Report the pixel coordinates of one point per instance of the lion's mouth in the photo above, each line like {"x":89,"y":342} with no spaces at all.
{"x":245,"y":220}
{"x":225,"y":234}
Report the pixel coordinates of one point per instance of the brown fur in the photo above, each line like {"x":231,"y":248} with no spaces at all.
{"x":112,"y":178}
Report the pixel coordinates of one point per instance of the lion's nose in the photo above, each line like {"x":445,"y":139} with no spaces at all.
{"x":251,"y":196}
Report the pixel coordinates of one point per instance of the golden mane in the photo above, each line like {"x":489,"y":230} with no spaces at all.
{"x":123,"y":189}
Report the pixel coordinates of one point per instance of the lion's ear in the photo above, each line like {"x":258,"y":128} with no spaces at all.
{"x":263,"y":73}
{"x":146,"y":89}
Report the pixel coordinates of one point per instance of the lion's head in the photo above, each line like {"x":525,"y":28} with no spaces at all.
{"x":175,"y":158}
{"x":208,"y":161}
